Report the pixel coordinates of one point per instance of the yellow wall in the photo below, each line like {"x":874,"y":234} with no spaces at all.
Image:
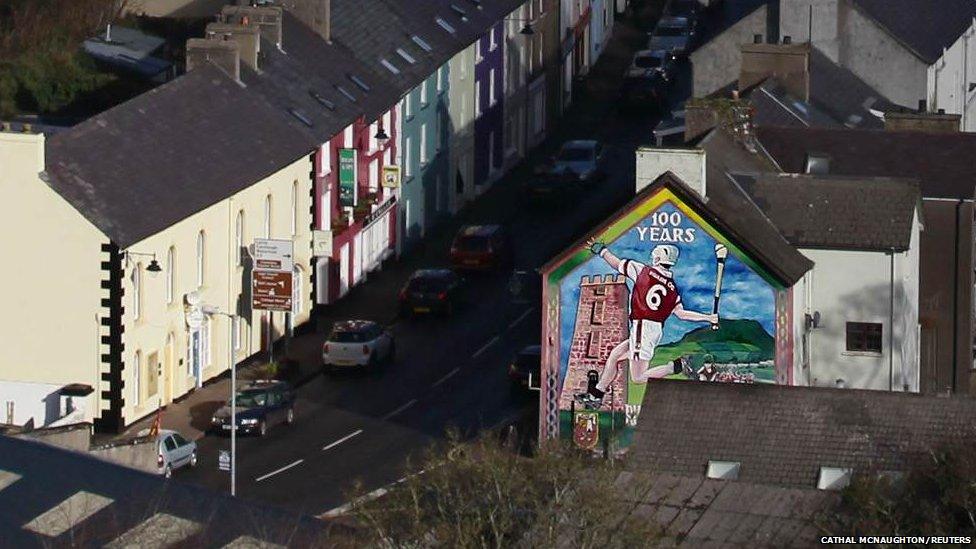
{"x":51,"y":276}
{"x":223,"y":278}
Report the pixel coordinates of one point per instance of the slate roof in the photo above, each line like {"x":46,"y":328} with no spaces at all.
{"x":942,"y":162}
{"x":838,"y":98}
{"x":723,"y":156}
{"x":123,"y":505}
{"x":762,"y":243}
{"x":782,"y":435}
{"x":848,"y":213}
{"x":698,"y":512}
{"x":150,"y":162}
{"x":925,"y":27}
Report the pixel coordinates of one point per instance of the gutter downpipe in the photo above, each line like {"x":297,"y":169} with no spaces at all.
{"x":891,"y":324}
{"x":955,"y":296}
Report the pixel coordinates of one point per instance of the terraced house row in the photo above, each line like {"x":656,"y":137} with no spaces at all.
{"x":346,"y":126}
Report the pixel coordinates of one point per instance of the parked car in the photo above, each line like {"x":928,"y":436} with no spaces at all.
{"x":672,"y":34}
{"x":583,"y":159}
{"x":481,"y":248}
{"x":647,"y":63}
{"x":552,"y":187}
{"x":650,"y":90}
{"x":358,"y":344}
{"x":525,"y":368}
{"x":174,"y":451}
{"x":435,"y":291}
{"x":261,"y":404}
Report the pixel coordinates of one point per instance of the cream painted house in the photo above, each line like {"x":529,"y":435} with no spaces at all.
{"x":184,"y":177}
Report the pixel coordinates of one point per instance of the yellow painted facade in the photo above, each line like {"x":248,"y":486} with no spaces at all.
{"x":54,"y":322}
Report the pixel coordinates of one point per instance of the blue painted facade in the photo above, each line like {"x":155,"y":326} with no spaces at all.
{"x":490,"y":97}
{"x":425,"y":125}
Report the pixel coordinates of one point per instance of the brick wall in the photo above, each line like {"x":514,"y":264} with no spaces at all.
{"x":601,"y":323}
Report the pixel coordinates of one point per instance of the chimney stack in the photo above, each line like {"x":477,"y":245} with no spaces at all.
{"x":266,"y":18}
{"x":223,"y":54}
{"x":247,"y":37}
{"x":789,"y":63}
{"x":922,"y":122}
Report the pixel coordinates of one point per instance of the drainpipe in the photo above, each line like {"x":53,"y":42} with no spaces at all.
{"x":891,"y":324}
{"x":955,"y":295}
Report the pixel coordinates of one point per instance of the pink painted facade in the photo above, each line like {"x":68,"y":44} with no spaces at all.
{"x":360,"y":237}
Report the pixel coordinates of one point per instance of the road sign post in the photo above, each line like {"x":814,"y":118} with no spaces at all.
{"x":272,"y":281}
{"x":223,"y":460}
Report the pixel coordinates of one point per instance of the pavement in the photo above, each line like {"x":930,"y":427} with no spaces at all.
{"x":356,"y":433}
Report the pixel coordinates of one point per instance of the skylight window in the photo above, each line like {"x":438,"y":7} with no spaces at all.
{"x":348,"y":95}
{"x":389,"y":66}
{"x":301,"y":117}
{"x":420,"y":42}
{"x":406,"y":56}
{"x":460,"y":12}
{"x":445,"y":25}
{"x":322,"y":100}
{"x":359,"y":82}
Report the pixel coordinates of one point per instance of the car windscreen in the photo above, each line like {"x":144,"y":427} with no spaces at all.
{"x":647,"y":62}
{"x":251,"y":399}
{"x":575,"y":154}
{"x":474,"y":244}
{"x":428,"y":284}
{"x":349,"y":336}
{"x":669,"y":31}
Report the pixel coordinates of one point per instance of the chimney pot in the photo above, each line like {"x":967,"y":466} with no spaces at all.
{"x":757,"y":39}
{"x":941,"y":111}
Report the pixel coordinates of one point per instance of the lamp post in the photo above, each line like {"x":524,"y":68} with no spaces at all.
{"x":210,"y":310}
{"x":153,"y":264}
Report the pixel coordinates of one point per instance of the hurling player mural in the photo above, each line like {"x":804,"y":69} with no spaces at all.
{"x":658,"y":294}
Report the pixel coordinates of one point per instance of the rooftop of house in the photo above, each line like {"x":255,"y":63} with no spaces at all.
{"x":698,"y":511}
{"x":154,"y":160}
{"x":724,"y":156}
{"x":838,"y":98}
{"x":52,"y":496}
{"x":920,"y":25}
{"x":940,"y":161}
{"x":129,"y":49}
{"x":836,"y":212}
{"x":782,"y":435}
{"x":762,"y":242}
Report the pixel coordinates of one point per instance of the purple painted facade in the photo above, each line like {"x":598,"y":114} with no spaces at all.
{"x":489,"y":124}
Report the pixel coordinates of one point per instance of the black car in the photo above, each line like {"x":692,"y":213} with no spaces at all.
{"x":260,"y":405}
{"x":525,"y":369}
{"x":648,"y":90}
{"x":435,"y":291}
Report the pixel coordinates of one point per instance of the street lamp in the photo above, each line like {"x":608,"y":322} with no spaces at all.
{"x":381,"y":137}
{"x":153,"y":264}
{"x":210,"y":310}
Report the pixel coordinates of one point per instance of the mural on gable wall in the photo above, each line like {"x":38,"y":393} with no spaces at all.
{"x":658,"y":294}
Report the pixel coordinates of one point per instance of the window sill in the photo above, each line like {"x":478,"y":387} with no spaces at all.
{"x":864,"y":354}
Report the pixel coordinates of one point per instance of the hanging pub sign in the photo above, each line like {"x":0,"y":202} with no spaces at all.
{"x":347,"y":178}
{"x":391,"y":176}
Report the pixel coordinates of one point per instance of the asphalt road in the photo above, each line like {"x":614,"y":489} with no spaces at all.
{"x":449,"y":373}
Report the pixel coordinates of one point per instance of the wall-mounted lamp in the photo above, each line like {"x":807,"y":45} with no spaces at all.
{"x":381,"y":137}
{"x":153,"y":264}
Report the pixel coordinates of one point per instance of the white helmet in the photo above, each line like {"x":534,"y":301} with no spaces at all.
{"x":664,"y":254}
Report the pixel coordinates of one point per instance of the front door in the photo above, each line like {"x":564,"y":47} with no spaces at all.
{"x":343,"y":270}
{"x":167,"y":374}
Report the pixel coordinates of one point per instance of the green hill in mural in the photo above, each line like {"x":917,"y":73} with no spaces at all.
{"x":735,"y":342}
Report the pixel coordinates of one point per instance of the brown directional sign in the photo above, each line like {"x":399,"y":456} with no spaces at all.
{"x":271,"y":291}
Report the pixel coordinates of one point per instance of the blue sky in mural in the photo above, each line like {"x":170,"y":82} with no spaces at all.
{"x":745,"y":295}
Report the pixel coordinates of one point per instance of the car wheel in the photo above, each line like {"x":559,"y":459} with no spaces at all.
{"x":262,"y":428}
{"x":193,"y":459}
{"x":168,"y":471}
{"x":290,"y":417}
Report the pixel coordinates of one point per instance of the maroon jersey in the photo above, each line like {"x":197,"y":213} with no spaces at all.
{"x":654,"y":296}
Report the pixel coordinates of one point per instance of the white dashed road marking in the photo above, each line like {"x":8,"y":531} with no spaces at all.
{"x":449,"y":375}
{"x":520,"y":318}
{"x":400,"y":409}
{"x":275,"y":472}
{"x":343,"y":439}
{"x":477,"y":353}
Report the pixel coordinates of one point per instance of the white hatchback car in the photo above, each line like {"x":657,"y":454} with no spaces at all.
{"x":357,"y":343}
{"x":173,"y":451}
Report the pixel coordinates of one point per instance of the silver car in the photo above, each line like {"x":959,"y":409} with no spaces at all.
{"x":672,"y":34}
{"x":173,"y":451}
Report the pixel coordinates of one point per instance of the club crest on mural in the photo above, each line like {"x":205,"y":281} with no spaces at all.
{"x":586,"y":430}
{"x":660,"y":295}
